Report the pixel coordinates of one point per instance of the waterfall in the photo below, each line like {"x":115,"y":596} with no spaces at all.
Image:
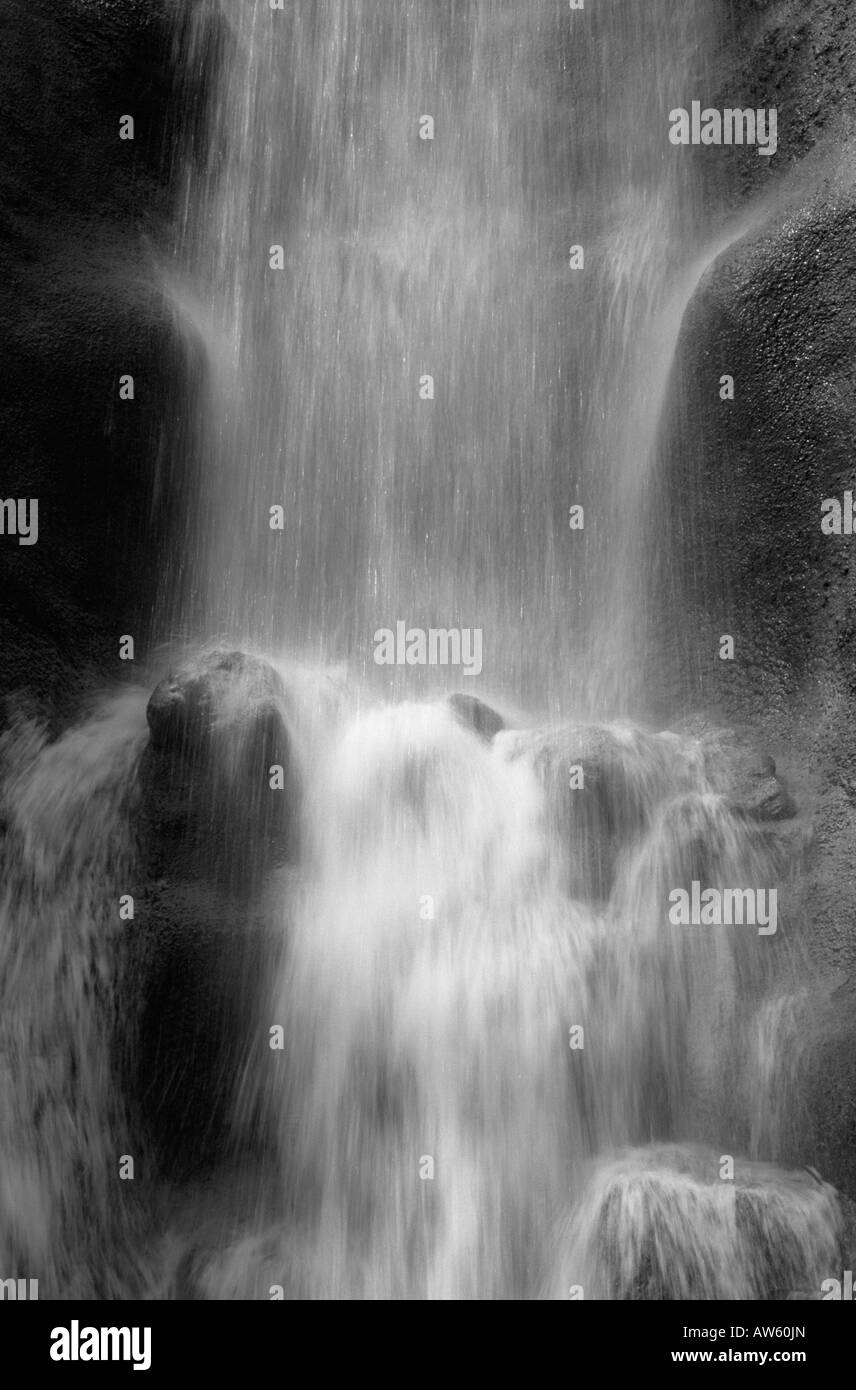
{"x":506,"y":1070}
{"x":448,"y":257}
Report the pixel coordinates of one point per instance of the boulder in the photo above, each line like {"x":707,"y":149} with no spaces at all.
{"x":767,"y":1234}
{"x":745,"y":777}
{"x":478,"y":716}
{"x":193,"y":1052}
{"x":624,"y":771}
{"x":214,"y":804}
{"x":629,"y":774}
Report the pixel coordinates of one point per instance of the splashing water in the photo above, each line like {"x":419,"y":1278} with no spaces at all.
{"x":438,"y":966}
{"x":68,"y":851}
{"x":505,"y":1073}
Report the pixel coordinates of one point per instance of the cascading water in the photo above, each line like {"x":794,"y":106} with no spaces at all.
{"x":68,"y":851}
{"x":505,"y":1072}
{"x":448,"y":257}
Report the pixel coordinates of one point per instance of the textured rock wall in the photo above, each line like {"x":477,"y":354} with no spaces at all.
{"x":81,"y":212}
{"x":743,"y":481}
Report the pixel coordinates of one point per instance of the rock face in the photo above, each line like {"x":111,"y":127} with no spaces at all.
{"x":799,"y":59}
{"x":198,"y":962}
{"x":779,"y":314}
{"x":478,"y":716}
{"x":745,"y":777}
{"x":601,"y":782}
{"x":604,"y":783}
{"x":628,"y":1238}
{"x":211,"y":828}
{"x":746,"y":479}
{"x":79,"y":307}
{"x":215,"y":805}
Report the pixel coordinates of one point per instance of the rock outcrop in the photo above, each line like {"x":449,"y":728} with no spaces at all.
{"x":747,"y":477}
{"x":79,"y":307}
{"x":218,"y":779}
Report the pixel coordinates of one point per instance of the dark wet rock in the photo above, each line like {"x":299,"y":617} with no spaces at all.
{"x":831,"y":1089}
{"x":79,"y":305}
{"x":629,"y":775}
{"x":629,"y":1231}
{"x":848,"y":1208}
{"x":745,"y":777}
{"x":205,"y":935}
{"x":210,"y":697}
{"x":219,"y":730}
{"x":777,"y":312}
{"x":764,"y":799}
{"x":477,"y":715}
{"x":624,"y":773}
{"x":746,"y":480}
{"x":799,"y":59}
{"x":194,"y":1040}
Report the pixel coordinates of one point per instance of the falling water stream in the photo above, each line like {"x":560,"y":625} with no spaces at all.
{"x":448,"y":257}
{"x":505,"y":1072}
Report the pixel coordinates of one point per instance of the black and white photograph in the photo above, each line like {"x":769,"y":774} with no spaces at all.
{"x":428,"y":664}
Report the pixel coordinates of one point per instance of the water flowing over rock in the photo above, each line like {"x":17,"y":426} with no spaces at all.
{"x":660,"y":1224}
{"x":221,"y":789}
{"x":218,"y":734}
{"x":68,"y":854}
{"x":427,"y":982}
{"x":477,"y":715}
{"x":386,"y":957}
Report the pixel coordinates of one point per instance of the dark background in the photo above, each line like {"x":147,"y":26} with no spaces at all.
{"x":81,"y":213}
